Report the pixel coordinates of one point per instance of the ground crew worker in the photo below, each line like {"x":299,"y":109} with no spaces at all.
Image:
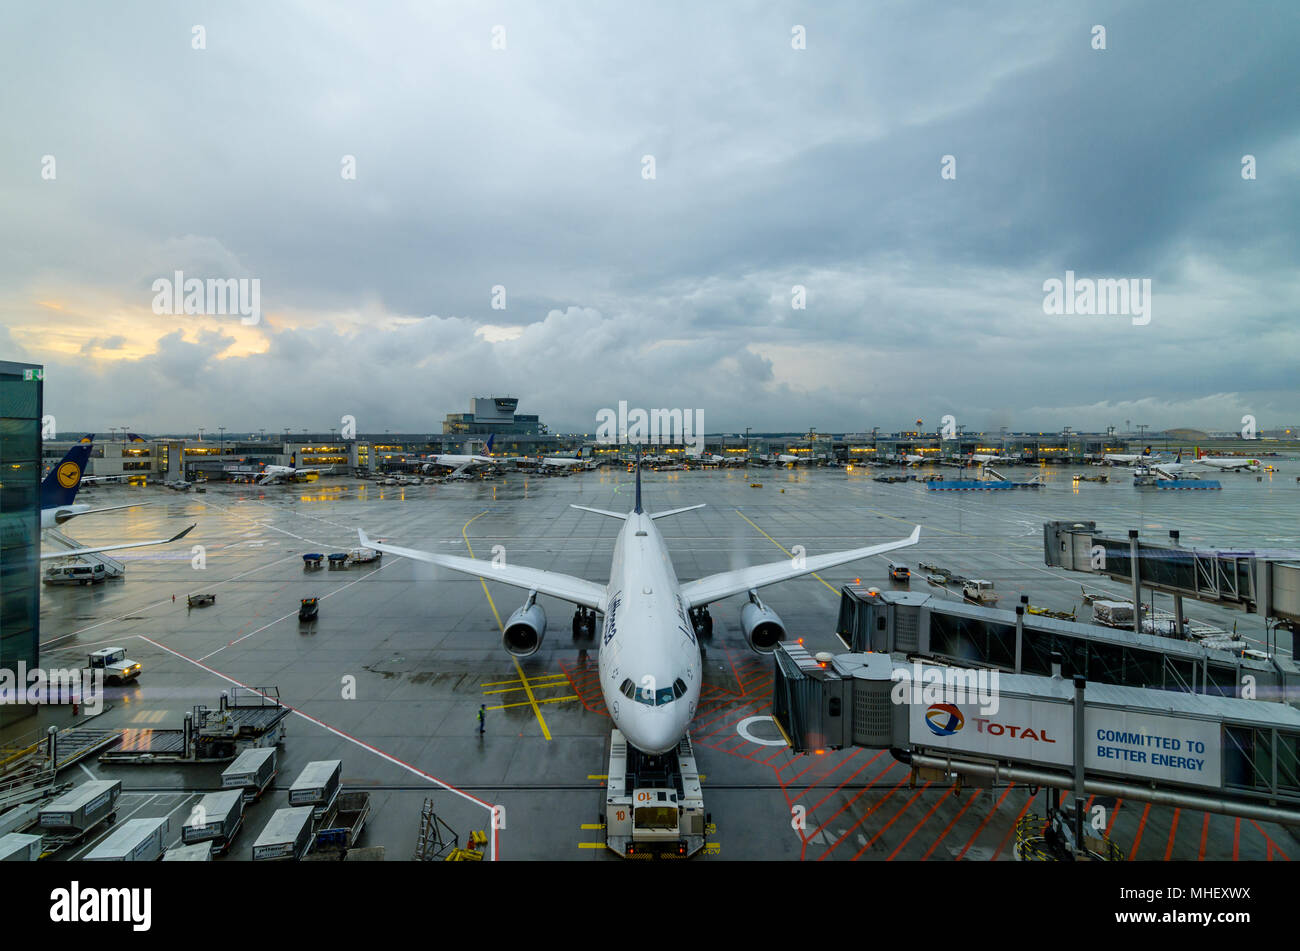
{"x":481,"y":709}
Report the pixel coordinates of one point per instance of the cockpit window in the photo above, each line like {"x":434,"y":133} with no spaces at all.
{"x":650,"y":697}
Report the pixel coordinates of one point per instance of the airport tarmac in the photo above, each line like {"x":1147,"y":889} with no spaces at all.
{"x":421,"y":650}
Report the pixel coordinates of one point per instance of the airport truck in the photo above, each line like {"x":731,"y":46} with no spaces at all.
{"x":115,"y":664}
{"x":138,"y":840}
{"x":653,"y":804}
{"x":198,"y":852}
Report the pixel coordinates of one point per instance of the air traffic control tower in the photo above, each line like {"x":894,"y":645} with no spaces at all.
{"x":21,"y":408}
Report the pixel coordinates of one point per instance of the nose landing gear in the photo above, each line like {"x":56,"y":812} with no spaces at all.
{"x":584,"y":625}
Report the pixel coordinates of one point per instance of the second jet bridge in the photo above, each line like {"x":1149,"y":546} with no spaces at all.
{"x":1218,"y":754}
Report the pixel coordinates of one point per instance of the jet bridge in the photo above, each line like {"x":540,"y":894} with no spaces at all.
{"x":1217,"y":754}
{"x":1256,"y":582}
{"x":916,"y":624}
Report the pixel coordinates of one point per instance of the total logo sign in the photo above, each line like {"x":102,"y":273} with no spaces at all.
{"x":1017,"y":728}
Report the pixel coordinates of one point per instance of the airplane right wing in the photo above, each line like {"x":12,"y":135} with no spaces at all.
{"x":723,"y":585}
{"x":73,"y":552}
{"x":565,"y":587}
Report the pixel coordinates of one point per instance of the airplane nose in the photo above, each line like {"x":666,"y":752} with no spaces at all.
{"x":656,"y":735}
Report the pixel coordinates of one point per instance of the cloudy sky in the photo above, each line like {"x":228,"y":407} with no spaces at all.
{"x":129,"y":154}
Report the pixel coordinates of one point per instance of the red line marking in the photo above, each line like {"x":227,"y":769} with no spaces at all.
{"x":1114,"y":813}
{"x":823,"y":799}
{"x":1272,"y":846}
{"x":863,"y":817}
{"x":1205,"y":831}
{"x":996,"y":807}
{"x":1142,"y":824}
{"x":853,"y":799}
{"x":934,"y":845}
{"x":915,"y":796}
{"x":1010,"y":832}
{"x":924,"y":819}
{"x":1169,"y":849}
{"x":1236,"y":838}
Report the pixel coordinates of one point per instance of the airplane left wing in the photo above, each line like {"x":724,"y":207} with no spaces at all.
{"x":723,"y":585}
{"x":72,"y":552}
{"x":565,"y":587}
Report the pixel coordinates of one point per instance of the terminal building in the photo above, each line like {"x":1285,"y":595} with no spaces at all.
{"x":21,"y":411}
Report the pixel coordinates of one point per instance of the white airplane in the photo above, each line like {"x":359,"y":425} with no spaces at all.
{"x":911,"y":459}
{"x":649,"y":658}
{"x":59,"y":489}
{"x":461,"y":463}
{"x":1131,"y":459}
{"x":1170,"y":470}
{"x":272,"y":474}
{"x":984,"y":458}
{"x":1227,"y":463}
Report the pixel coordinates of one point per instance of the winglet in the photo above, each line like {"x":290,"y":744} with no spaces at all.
{"x":638,"y":510}
{"x":177,"y":537}
{"x":363,"y":537}
{"x":916,"y":536}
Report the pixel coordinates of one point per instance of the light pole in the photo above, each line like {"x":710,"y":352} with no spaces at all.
{"x":221,"y":445}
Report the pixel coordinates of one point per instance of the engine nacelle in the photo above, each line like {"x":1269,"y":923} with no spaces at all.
{"x":525,"y":630}
{"x":762,"y":626}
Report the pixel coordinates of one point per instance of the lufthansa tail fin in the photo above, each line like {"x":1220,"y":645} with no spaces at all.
{"x":61,"y":484}
{"x":638,"y":510}
{"x":491,"y":439}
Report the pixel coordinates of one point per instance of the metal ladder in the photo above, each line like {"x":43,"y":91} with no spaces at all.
{"x":112,"y":567}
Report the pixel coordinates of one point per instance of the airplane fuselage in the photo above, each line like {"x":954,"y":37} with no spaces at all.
{"x":647,"y":644}
{"x":53,"y":517}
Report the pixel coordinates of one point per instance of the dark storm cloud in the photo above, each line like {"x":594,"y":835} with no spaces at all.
{"x":775,"y":168}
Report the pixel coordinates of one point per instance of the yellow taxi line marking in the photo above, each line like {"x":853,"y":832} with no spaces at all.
{"x":588,"y":826}
{"x":533,"y":703}
{"x":558,"y":683}
{"x":782,"y":547}
{"x":537,"y":711}
{"x":498,"y":683}
{"x":598,"y":776}
{"x":591,"y":845}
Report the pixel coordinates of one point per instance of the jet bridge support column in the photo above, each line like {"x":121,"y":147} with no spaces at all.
{"x":1135,"y":574}
{"x":1080,"y":744}
{"x":1020,"y":635}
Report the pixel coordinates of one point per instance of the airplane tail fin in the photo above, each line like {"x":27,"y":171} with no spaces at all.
{"x":637,"y":509}
{"x":60,"y":486}
{"x":491,"y":439}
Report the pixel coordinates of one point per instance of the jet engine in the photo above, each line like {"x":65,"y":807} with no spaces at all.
{"x":762,"y":626}
{"x":525,"y":629}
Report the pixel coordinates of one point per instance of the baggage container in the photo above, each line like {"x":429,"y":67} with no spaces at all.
{"x":317,"y":786}
{"x":139,"y":840}
{"x":215,"y":819}
{"x":82,"y":808}
{"x":285,"y":837}
{"x":19,"y":847}
{"x":198,"y":852}
{"x":252,"y":771}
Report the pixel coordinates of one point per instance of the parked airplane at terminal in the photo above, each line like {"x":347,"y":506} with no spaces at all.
{"x":460,"y":464}
{"x":649,"y":655}
{"x":58,"y":491}
{"x":1227,"y":463}
{"x":271,"y":474}
{"x":1131,"y":459}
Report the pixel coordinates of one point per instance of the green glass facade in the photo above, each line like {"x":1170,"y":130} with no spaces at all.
{"x":21,"y":408}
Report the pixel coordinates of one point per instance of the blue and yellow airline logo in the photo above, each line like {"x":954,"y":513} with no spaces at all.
{"x":69,"y":474}
{"x":944,"y":719}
